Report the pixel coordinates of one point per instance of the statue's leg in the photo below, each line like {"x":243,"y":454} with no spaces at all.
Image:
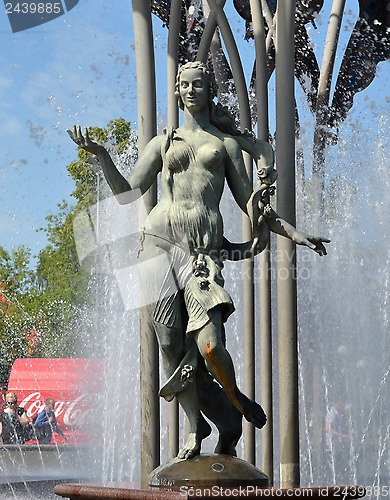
{"x":219,"y":364}
{"x":171,"y":343}
{"x":217,"y":408}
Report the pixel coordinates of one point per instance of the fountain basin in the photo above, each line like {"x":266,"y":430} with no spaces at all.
{"x":34,"y":462}
{"x":131,"y":491}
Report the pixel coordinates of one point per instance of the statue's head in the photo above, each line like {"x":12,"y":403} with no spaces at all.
{"x":213,"y":88}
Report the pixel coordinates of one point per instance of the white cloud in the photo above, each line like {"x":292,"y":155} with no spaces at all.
{"x":5,"y":82}
{"x":10,"y":126}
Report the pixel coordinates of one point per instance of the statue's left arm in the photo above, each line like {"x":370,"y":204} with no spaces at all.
{"x":240,"y":186}
{"x":284,"y":228}
{"x":238,"y":181}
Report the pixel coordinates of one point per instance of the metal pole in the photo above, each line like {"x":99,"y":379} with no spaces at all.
{"x":249,"y":344}
{"x":173,"y":121}
{"x":236,"y":65}
{"x":172,"y":62}
{"x":287,"y":290}
{"x":248,"y":270}
{"x":149,"y":357}
{"x":208,"y":31}
{"x":329,"y":56}
{"x":322,"y":105}
{"x":264,"y":258}
{"x":270,"y":23}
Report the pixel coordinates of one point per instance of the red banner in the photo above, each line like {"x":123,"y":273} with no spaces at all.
{"x":74,"y":385}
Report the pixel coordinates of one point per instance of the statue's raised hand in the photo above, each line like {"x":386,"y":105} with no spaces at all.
{"x":315,"y":243}
{"x":84,"y":141}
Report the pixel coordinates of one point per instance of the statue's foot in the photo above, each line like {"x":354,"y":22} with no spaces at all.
{"x":251,"y":410}
{"x":227,"y":443}
{"x":230,"y":431}
{"x":192,"y":447}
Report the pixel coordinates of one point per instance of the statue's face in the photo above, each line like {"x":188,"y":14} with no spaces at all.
{"x":194,"y":89}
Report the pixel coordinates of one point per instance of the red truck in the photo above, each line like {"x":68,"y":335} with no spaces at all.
{"x":74,"y":384}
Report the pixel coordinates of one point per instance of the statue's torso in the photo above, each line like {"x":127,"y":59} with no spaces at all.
{"x":192,"y":182}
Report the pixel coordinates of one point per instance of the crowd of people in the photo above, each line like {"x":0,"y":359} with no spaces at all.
{"x":17,"y":428}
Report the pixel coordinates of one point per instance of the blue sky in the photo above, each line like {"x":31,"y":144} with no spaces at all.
{"x":80,"y":68}
{"x":76,"y":69}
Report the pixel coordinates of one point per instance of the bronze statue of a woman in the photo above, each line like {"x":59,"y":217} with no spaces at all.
{"x":194,"y":161}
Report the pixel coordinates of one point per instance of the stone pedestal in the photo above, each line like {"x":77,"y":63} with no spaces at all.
{"x":203,"y":477}
{"x":207,"y":471}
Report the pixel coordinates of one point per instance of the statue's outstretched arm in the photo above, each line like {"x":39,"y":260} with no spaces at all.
{"x":263,"y":154}
{"x":142,"y":176}
{"x":284,"y":228}
{"x":238,"y":181}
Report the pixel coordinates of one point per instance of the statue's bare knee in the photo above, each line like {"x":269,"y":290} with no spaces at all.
{"x":211,"y":349}
{"x":209,"y":338}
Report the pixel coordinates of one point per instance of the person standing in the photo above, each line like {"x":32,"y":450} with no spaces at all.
{"x":46,"y":423}
{"x":13,"y":421}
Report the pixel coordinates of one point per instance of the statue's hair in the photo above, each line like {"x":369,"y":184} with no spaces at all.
{"x":220,"y":116}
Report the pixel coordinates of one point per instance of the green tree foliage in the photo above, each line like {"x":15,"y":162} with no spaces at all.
{"x":46,"y":304}
{"x":17,"y":287}
{"x":58,"y":270}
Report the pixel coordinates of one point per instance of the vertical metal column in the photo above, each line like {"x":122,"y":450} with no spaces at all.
{"x":249,"y":340}
{"x":248,"y":269}
{"x":287,"y":290}
{"x":149,"y":357}
{"x":322,"y":106}
{"x":264,"y":258}
{"x":173,"y":121}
